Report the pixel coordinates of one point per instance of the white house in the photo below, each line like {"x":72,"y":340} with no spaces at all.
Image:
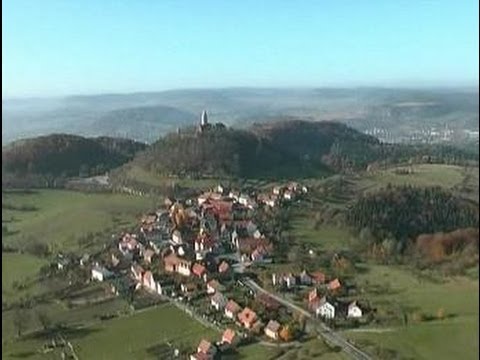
{"x":272,"y":202}
{"x":150,"y":284}
{"x":272,"y":329}
{"x":177,"y":237}
{"x":290,"y":281}
{"x":244,"y":199}
{"x":218,"y":301}
{"x":288,"y":195}
{"x":99,"y":273}
{"x":354,"y":310}
{"x":325,"y":309}
{"x":277,"y":190}
{"x":232,"y":309}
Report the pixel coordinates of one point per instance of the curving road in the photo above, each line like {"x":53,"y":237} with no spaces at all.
{"x":328,"y":334}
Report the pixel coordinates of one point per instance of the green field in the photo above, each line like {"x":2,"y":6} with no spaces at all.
{"x":422,"y":175}
{"x":456,"y":336}
{"x":326,"y":237}
{"x":150,"y":178}
{"x":61,"y":217}
{"x":311,"y":349}
{"x":128,"y":337}
{"x":19,"y":268}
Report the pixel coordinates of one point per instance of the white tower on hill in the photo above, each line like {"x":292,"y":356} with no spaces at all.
{"x":204,"y":119}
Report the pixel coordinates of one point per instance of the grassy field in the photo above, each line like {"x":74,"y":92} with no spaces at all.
{"x":456,"y":336}
{"x":326,"y":237}
{"x":313,"y":349}
{"x":131,"y":337}
{"x":150,"y":178}
{"x":61,"y":217}
{"x":422,"y":175}
{"x":19,"y":268}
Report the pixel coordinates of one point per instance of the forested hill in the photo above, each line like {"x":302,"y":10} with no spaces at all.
{"x":288,"y":148}
{"x":66,"y":155}
{"x":218,"y":151}
{"x":395,"y":216}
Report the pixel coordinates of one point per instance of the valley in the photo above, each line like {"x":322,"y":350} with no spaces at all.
{"x":408,"y":301}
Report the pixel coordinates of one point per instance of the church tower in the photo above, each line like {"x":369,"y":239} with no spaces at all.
{"x":204,"y":119}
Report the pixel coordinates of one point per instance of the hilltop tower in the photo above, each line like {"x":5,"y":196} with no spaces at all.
{"x":204,"y":119}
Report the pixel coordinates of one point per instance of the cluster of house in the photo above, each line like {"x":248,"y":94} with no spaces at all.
{"x":325,"y":306}
{"x":291,"y":280}
{"x":282,"y":193}
{"x":184,"y":239}
{"x":329,"y":308}
{"x":245,"y":317}
{"x":207,"y":351}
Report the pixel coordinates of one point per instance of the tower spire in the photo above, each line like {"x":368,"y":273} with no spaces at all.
{"x":204,"y":119}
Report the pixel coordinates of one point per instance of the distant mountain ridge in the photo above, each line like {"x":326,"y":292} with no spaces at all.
{"x":145,"y":123}
{"x":361,"y":108}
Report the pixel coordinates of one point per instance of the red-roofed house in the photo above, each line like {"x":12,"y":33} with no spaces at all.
{"x":230,"y":337}
{"x":247,"y":317}
{"x":199,"y":270}
{"x":128,"y":243}
{"x":334,"y":285}
{"x":201,"y":356}
{"x":206,"y":347}
{"x":173,"y":263}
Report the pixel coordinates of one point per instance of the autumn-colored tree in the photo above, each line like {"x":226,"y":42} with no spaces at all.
{"x":286,"y":334}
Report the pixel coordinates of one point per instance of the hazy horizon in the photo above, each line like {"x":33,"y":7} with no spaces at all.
{"x":58,"y":48}
{"x":469,"y":88}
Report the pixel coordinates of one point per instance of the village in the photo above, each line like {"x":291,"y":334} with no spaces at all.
{"x":201,"y":254}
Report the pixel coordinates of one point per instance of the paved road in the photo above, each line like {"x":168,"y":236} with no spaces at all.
{"x":328,"y":334}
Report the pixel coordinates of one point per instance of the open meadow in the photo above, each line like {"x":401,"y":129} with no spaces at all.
{"x":421,"y":315}
{"x":147,"y":334}
{"x":441,"y":315}
{"x":62,"y":221}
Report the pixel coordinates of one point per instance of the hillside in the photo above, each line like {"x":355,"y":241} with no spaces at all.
{"x":66,"y":155}
{"x":331,"y":143}
{"x":285,"y":149}
{"x":217,"y":152}
{"x":395,"y":216}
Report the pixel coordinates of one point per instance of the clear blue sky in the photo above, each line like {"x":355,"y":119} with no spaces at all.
{"x":93,"y":46}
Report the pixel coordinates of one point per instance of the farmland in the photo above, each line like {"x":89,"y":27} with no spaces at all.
{"x":416,"y":175}
{"x":422,"y":301}
{"x":138,"y":336}
{"x":60,"y":220}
